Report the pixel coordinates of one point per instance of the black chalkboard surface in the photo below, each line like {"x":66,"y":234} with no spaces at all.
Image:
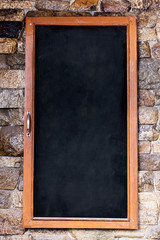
{"x":80,"y":162}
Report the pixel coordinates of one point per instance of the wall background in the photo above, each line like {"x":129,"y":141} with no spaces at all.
{"x":12,"y":65}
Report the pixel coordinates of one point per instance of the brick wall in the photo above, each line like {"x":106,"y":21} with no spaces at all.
{"x":12,"y":65}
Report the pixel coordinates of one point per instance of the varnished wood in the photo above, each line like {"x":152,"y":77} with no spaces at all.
{"x":132,"y":135}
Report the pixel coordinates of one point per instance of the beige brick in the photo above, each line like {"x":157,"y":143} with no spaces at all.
{"x":146,"y":183}
{"x":11,"y":98}
{"x":10,"y":161}
{"x":146,"y":98}
{"x":144,"y":147}
{"x":12,"y":78}
{"x":144,"y":50}
{"x":157,"y":180}
{"x":17,"y":198}
{"x":147,"y":19}
{"x":155,"y":146}
{"x":148,"y":115}
{"x":18,"y":4}
{"x":148,"y":133}
{"x":8,"y":45}
{"x":146,"y":34}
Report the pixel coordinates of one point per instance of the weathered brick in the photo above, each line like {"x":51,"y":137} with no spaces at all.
{"x":146,"y":183}
{"x":156,"y":50}
{"x":147,"y":19}
{"x":149,"y":162}
{"x":149,"y":73}
{"x":18,"y":4}
{"x":148,"y":115}
{"x":11,"y":117}
{"x":11,"y":141}
{"x":146,"y":98}
{"x":10,"y":29}
{"x":3,"y":62}
{"x":144,"y":50}
{"x":8,"y":178}
{"x":16,"y":61}
{"x":136,"y":4}
{"x":157,"y":180}
{"x":144,"y":147}
{"x":11,"y":15}
{"x":20,"y":183}
{"x":148,"y":133}
{"x":10,"y":161}
{"x":94,"y":234}
{"x":17,"y":198}
{"x":11,"y":221}
{"x":12,"y":78}
{"x":115,"y":6}
{"x":11,"y":98}
{"x":146,"y":34}
{"x":8,"y":45}
{"x":155,"y":146}
{"x":4,"y":199}
{"x":52,"y":5}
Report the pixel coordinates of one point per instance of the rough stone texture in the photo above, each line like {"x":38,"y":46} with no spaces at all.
{"x":146,"y":98}
{"x":149,"y":162}
{"x":11,"y":117}
{"x":148,"y":209}
{"x":55,"y":236}
{"x":144,"y":50}
{"x":156,"y":50}
{"x":51,"y":13}
{"x":157,"y":180}
{"x":147,"y":19}
{"x":8,"y":45}
{"x":11,"y":15}
{"x":10,"y":29}
{"x":153,"y":232}
{"x":12,"y":79}
{"x":83,"y":5}
{"x":20,"y":183}
{"x":18,"y":4}
{"x":144,"y":147}
{"x":11,"y":98}
{"x":52,"y":5}
{"x":115,"y":5}
{"x":8,"y":178}
{"x":145,"y":183}
{"x":148,"y":115}
{"x":158,"y":34}
{"x":146,"y":34}
{"x":17,"y":198}
{"x":11,"y":141}
{"x":10,"y":161}
{"x":16,"y":61}
{"x":3,"y":62}
{"x":149,"y":73}
{"x":148,"y":133}
{"x":155,"y":146}
{"x":11,"y":221}
{"x":94,"y":235}
{"x":4,"y":199}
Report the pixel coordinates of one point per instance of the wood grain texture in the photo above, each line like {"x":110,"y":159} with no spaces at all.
{"x":132,"y":133}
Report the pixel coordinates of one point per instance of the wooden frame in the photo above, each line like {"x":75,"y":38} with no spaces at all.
{"x":131,"y":221}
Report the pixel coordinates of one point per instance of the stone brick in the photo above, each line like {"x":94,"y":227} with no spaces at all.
{"x":147,"y":19}
{"x":146,"y":183}
{"x":131,"y":234}
{"x":10,"y":29}
{"x":146,"y":34}
{"x":16,"y":61}
{"x":18,"y":4}
{"x":149,"y":73}
{"x":148,"y":115}
{"x":51,"y":13}
{"x":144,"y":147}
{"x":148,"y":133}
{"x":12,"y":79}
{"x":94,"y":234}
{"x":156,"y":50}
{"x":8,"y":45}
{"x":11,"y":98}
{"x":3,"y":62}
{"x":155,"y":146}
{"x":157,"y":180}
{"x":146,"y":98}
{"x":20,"y":183}
{"x":148,"y":209}
{"x":152,"y":5}
{"x":10,"y":161}
{"x":8,"y":178}
{"x":11,"y":141}
{"x":158,"y":34}
{"x":84,"y":5}
{"x":62,"y":235}
{"x":52,"y":5}
{"x":4,"y":199}
{"x":17,"y":198}
{"x":144,"y":50}
{"x":149,"y":162}
{"x":11,"y":117}
{"x":11,"y":15}
{"x":153,"y":232}
{"x":115,"y":6}
{"x":136,"y":4}
{"x":11,"y":221}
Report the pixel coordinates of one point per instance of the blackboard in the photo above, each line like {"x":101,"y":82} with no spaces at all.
{"x":80,"y":141}
{"x":81,"y":122}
